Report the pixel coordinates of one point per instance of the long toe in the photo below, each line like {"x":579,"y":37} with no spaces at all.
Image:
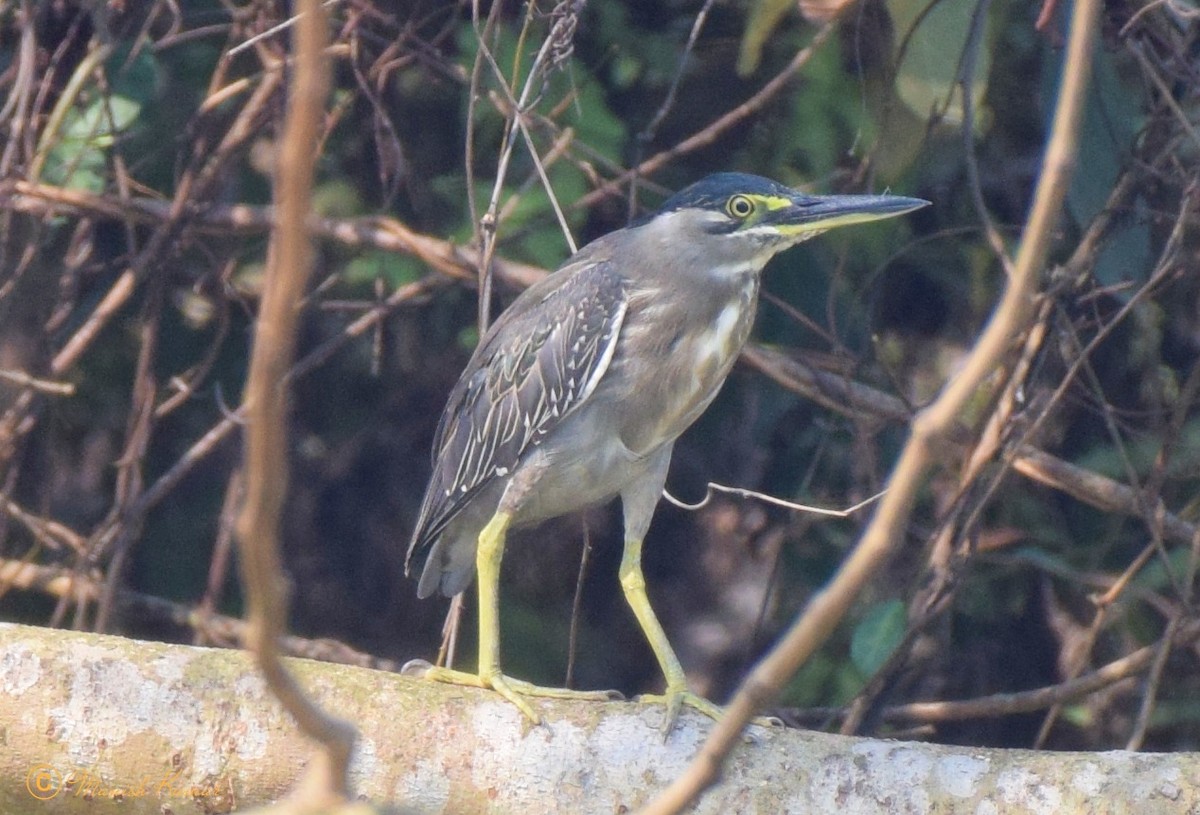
{"x":675,"y":699}
{"x":517,"y":691}
{"x":529,"y":689}
{"x":498,"y":682}
{"x":506,"y":688}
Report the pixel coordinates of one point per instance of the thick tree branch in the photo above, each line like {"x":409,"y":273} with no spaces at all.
{"x":196,"y":730}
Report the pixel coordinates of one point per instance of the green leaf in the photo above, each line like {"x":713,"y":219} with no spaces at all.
{"x":877,"y":635}
{"x":337,"y":198}
{"x":138,"y":79}
{"x":77,"y":161}
{"x":98,"y":123}
{"x":394,"y":269}
{"x":468,"y":338}
{"x":76,"y":166}
{"x":826,"y":109}
{"x":813,"y":683}
{"x":530,"y":229}
{"x":1110,"y":121}
{"x":1159,"y":575}
{"x":1079,"y":715}
{"x":595,"y":123}
{"x":1048,"y":561}
{"x":1142,"y":453}
{"x":928,"y":73}
{"x":625,"y":71}
{"x":763,"y":19}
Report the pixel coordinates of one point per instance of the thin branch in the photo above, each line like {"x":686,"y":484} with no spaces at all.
{"x":1162,"y":651}
{"x":63,"y":583}
{"x":479,"y":226}
{"x":649,"y":132}
{"x":710,"y":133}
{"x":970,"y":64}
{"x":1009,"y":704}
{"x":577,"y":605}
{"x":387,"y":234}
{"x":271,"y":32}
{"x":41,"y":385}
{"x":742,"y":492}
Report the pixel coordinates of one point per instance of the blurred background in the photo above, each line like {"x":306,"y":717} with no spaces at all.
{"x":1058,"y":536}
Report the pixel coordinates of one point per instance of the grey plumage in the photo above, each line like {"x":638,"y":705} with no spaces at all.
{"x":536,"y":365}
{"x":568,"y":344}
{"x":580,"y":389}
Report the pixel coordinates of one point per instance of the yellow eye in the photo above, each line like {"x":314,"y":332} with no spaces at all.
{"x":739,"y":206}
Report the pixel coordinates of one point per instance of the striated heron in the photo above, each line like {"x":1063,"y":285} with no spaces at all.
{"x":578,"y":391}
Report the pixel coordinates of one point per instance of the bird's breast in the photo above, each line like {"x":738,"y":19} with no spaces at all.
{"x":686,"y":350}
{"x":716,"y":346}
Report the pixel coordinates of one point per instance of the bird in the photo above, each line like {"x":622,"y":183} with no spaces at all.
{"x":577,"y":392}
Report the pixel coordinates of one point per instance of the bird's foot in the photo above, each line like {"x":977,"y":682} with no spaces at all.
{"x":516,"y":691}
{"x":676,"y":698}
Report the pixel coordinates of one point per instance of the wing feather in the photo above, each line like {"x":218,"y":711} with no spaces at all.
{"x":539,"y":363}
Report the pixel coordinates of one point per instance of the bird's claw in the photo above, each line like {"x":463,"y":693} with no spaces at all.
{"x":516,"y":691}
{"x":676,"y":698}
{"x":415,"y":667}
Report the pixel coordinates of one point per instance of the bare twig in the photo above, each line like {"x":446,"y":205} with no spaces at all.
{"x":1009,"y":704}
{"x":970,"y":63}
{"x":270,"y":32}
{"x":383,"y":233}
{"x":1161,"y":651}
{"x":54,"y":581}
{"x":218,"y":567}
{"x":713,"y":488}
{"x":854,"y":398}
{"x":41,"y":385}
{"x":648,"y":132}
{"x":577,"y":605}
{"x":712,"y":131}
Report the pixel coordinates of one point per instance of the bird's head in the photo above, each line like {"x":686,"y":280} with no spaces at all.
{"x":737,"y":219}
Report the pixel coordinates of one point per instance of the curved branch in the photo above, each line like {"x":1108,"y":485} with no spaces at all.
{"x":288,"y":267}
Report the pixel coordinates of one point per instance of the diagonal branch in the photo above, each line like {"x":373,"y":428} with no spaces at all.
{"x":930,"y":426}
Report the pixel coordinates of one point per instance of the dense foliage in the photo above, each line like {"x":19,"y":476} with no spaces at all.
{"x":1058,"y":537}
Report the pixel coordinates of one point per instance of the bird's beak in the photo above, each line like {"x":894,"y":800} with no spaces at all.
{"x":806,"y":214}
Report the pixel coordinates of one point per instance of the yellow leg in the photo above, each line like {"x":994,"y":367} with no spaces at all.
{"x":677,"y":693}
{"x":487,"y":565}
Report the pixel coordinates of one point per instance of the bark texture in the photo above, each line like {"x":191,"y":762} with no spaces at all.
{"x":168,"y":728}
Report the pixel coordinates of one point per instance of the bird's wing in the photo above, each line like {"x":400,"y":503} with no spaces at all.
{"x":539,"y":362}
